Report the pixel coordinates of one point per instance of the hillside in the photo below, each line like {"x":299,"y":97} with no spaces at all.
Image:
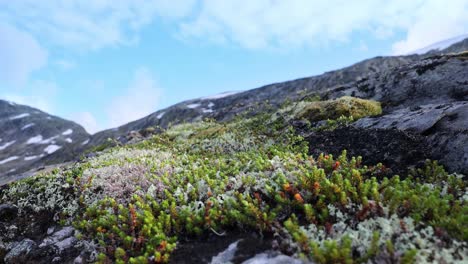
{"x":225,"y":107}
{"x":244,"y":190}
{"x":30,"y":138}
{"x":366,"y":164}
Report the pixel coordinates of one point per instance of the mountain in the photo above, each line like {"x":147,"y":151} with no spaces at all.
{"x":446,"y":45}
{"x":30,"y":138}
{"x":401,"y":82}
{"x":363,"y":164}
{"x":422,"y":71}
{"x":226,"y":106}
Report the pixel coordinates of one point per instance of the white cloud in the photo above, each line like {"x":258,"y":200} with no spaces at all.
{"x":288,"y":24}
{"x":90,"y":25}
{"x":40,"y":94}
{"x":20,"y":55}
{"x":87,"y":120}
{"x":434,"y":21}
{"x":140,"y":98}
{"x":252,"y":24}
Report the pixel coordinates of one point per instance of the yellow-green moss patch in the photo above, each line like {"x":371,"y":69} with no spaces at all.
{"x":345,"y":106}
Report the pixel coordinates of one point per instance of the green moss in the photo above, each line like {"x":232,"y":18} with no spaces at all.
{"x":345,"y":106}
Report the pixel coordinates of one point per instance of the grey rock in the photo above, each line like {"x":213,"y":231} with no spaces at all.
{"x":66,"y":244}
{"x":58,"y":236}
{"x":443,"y":127}
{"x":19,"y":253}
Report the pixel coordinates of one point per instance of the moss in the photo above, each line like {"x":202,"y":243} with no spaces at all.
{"x":345,"y":106}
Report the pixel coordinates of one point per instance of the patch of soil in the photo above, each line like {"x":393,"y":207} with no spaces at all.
{"x":396,"y":149}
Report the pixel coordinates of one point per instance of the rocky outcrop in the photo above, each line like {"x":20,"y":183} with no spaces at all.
{"x":425,"y":108}
{"x":33,"y":237}
{"x":30,"y":138}
{"x":442,"y":129}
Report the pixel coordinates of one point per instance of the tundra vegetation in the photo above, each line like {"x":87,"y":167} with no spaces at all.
{"x":254,"y":175}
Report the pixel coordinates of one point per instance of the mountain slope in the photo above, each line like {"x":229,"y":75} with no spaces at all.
{"x":447,"y":45}
{"x":30,"y":138}
{"x":416,"y":86}
{"x":226,"y":107}
{"x":397,"y":82}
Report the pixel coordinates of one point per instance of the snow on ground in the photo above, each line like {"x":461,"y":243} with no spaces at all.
{"x":27,"y":126}
{"x":441,"y":44}
{"x":67,"y":132}
{"x":218,"y":96}
{"x":193,"y":106}
{"x":204,"y":110}
{"x":19,"y":116}
{"x":211,"y":104}
{"x":160,"y":115}
{"x":8,"y":160}
{"x":6,"y":145}
{"x":85,"y":142}
{"x":52,"y":148}
{"x":69,"y":140}
{"x":38,"y":140}
{"x":30,"y":157}
{"x":35,"y":140}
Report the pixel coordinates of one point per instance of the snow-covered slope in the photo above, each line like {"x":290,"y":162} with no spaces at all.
{"x":30,"y":138}
{"x":440,"y":45}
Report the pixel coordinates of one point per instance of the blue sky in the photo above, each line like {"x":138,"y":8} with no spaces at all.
{"x":104,"y":63}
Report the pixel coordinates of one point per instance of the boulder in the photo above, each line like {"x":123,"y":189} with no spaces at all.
{"x":19,"y":254}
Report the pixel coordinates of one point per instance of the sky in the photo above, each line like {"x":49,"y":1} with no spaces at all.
{"x":103,"y":63}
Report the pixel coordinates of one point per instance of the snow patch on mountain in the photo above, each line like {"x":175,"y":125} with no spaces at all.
{"x":440,"y":45}
{"x":30,"y":157}
{"x":27,"y":126}
{"x":67,"y":132}
{"x":221,"y":95}
{"x":8,"y":160}
{"x":38,"y":140}
{"x":160,"y":115}
{"x":193,"y":106}
{"x":6,"y":145}
{"x":19,"y":116}
{"x":51,"y":149}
